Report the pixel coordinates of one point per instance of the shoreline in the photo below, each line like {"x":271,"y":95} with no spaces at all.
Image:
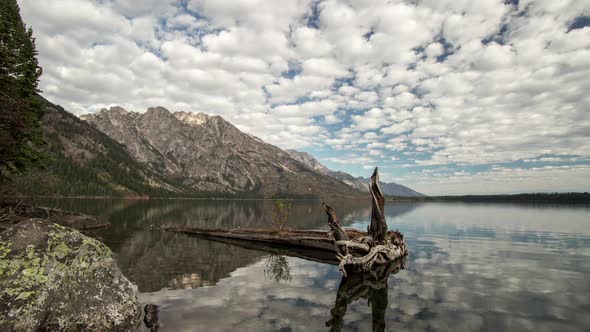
{"x":535,"y":198}
{"x":147,"y":198}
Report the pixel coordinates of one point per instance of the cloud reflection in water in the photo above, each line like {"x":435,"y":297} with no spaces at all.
{"x":471,"y":267}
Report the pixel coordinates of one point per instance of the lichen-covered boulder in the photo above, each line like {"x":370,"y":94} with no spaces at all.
{"x":55,"y":278}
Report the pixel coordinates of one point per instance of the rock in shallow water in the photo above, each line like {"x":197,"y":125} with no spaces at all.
{"x":55,"y":278}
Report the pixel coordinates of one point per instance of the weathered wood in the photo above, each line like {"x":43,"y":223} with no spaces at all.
{"x":380,"y":246}
{"x":313,"y":245}
{"x":334,"y":223}
{"x":379,"y":254}
{"x":356,"y":245}
{"x":320,"y":240}
{"x":378,"y":227}
{"x":337,"y":232}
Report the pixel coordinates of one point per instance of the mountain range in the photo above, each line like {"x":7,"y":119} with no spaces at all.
{"x":360,"y":183}
{"x":162,"y":153}
{"x":210,"y":154}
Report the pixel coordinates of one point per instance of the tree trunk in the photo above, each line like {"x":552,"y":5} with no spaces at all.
{"x":378,"y":227}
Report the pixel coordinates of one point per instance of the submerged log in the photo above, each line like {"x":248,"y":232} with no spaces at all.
{"x":351,"y":249}
{"x":317,"y":240}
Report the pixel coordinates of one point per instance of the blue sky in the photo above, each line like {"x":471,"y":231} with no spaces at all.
{"x":447,"y":97}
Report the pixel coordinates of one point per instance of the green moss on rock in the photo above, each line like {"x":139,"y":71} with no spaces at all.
{"x":55,"y":278}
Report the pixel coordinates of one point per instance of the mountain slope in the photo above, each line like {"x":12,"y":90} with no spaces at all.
{"x":359,"y":183}
{"x":395,"y":189}
{"x":86,"y":162}
{"x":207,"y":153}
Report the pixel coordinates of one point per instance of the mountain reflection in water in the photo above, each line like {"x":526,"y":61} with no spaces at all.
{"x":471,"y":267}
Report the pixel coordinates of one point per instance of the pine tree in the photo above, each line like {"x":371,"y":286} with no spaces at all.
{"x":20,"y":106}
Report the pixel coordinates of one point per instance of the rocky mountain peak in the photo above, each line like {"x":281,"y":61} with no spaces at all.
{"x":193,"y":119}
{"x":310,"y":161}
{"x":114,"y":112}
{"x":118,"y":109}
{"x":158,"y":111}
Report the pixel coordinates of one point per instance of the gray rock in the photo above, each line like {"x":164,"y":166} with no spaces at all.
{"x":54,"y":278}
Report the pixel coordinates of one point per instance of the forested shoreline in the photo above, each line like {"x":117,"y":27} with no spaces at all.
{"x":557,"y":198}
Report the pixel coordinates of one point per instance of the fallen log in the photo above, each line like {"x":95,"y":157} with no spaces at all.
{"x":351,"y":249}
{"x":318,"y":240}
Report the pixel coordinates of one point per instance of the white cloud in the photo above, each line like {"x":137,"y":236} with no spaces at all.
{"x":186,"y":21}
{"x":323,"y":67}
{"x":434,"y":50}
{"x":399,"y":128}
{"x":371,"y":119}
{"x":351,"y":159}
{"x":511,"y":83}
{"x":502,"y":180}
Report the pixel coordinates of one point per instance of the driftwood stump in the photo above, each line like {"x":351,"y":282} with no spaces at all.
{"x":379,"y":247}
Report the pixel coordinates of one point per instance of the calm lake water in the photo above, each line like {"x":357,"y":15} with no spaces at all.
{"x":472,"y":267}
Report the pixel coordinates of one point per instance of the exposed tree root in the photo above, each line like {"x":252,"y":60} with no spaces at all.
{"x":378,"y":248}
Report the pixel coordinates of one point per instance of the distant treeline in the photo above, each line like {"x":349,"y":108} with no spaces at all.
{"x":560,"y":198}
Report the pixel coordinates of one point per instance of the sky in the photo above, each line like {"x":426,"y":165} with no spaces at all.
{"x":446,"y":97}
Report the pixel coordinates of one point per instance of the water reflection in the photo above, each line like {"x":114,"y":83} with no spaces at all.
{"x":154,"y":260}
{"x":371,"y":286}
{"x":471,"y":267}
{"x":277,"y":268}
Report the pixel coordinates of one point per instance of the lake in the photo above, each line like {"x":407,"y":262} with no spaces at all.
{"x":471,"y":267}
